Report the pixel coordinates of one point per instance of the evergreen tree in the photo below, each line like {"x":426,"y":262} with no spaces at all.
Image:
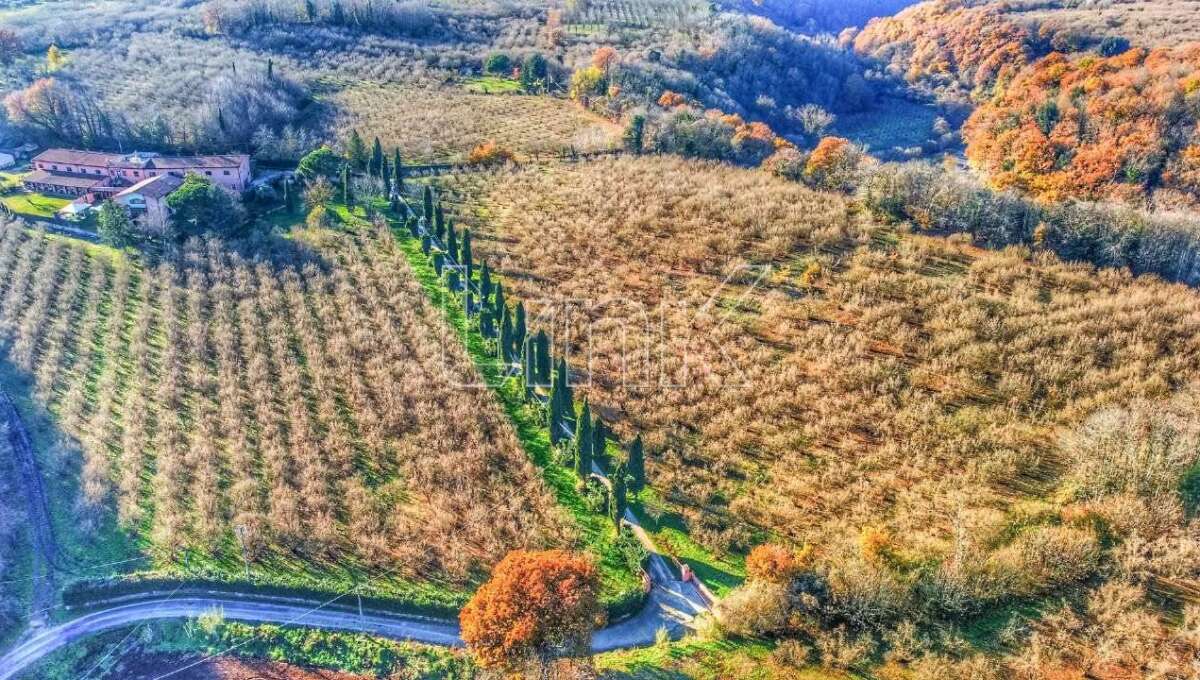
{"x":530,"y":368}
{"x":637,"y":464}
{"x":427,"y":200}
{"x":504,"y":348}
{"x":583,"y":441}
{"x":347,"y":192}
{"x":114,"y":225}
{"x":556,"y":415}
{"x":564,"y":378}
{"x":619,"y":495}
{"x":486,"y":326}
{"x":452,"y":242}
{"x":376,"y":163}
{"x":599,"y":439}
{"x":543,"y":358}
{"x":439,"y":223}
{"x":439,"y":259}
{"x":397,"y":171}
{"x":499,"y":305}
{"x":356,"y":152}
{"x":411,"y":225}
{"x":519,"y":330}
{"x":270,"y":69}
{"x":452,"y":279}
{"x":635,"y":133}
{"x":485,"y":283}
{"x":470,"y":303}
{"x":466,"y":259}
{"x":426,"y":245}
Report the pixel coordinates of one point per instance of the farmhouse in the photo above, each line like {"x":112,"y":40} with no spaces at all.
{"x":97,"y":176}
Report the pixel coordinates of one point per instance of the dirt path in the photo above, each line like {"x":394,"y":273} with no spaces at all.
{"x":45,"y":548}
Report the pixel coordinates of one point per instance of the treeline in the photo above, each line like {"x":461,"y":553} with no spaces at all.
{"x":1122,"y":127}
{"x":944,"y":201}
{"x":752,"y":68}
{"x":414,"y":19}
{"x":12,"y":522}
{"x":238,"y":105}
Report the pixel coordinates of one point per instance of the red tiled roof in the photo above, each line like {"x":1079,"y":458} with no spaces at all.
{"x":40,"y":177}
{"x":93,"y":158}
{"x":73,"y":157}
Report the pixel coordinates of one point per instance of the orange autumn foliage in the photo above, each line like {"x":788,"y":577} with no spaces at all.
{"x":1122,"y":128}
{"x":670,"y":100}
{"x":774,"y":563}
{"x":490,"y":153}
{"x":944,"y":43}
{"x":536,"y":606}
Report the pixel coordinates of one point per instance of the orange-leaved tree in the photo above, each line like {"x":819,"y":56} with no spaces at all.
{"x":775,"y":563}
{"x":537,"y":606}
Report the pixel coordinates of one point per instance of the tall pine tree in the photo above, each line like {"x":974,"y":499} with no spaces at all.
{"x":376,"y":162}
{"x":439,"y":223}
{"x":637,"y":464}
{"x":485,"y":283}
{"x":427,"y":201}
{"x":397,"y":171}
{"x":504,"y":347}
{"x":499,"y":305}
{"x":619,"y":499}
{"x":466,"y":259}
{"x":583,"y":442}
{"x":599,"y":439}
{"x":356,"y":152}
{"x":543,"y":358}
{"x":519,"y":329}
{"x":452,"y":242}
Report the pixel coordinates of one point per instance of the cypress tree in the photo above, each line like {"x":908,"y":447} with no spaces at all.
{"x":466,"y":259}
{"x":599,"y":438}
{"x":376,"y":163}
{"x":427,"y":199}
{"x":543,"y":358}
{"x":270,"y":69}
{"x":556,"y":415}
{"x":637,"y":464}
{"x":499,"y":306}
{"x":347,"y":193}
{"x":439,"y":223}
{"x":452,"y":242}
{"x":564,"y":379}
{"x":385,"y":172}
{"x":452,"y":279}
{"x":356,"y":151}
{"x":397,"y":170}
{"x":470,"y":303}
{"x":619,"y":499}
{"x":486,"y":327}
{"x":530,"y":368}
{"x":583,"y":441}
{"x":411,"y":225}
{"x":519,"y":330}
{"x":439,"y":259}
{"x":506,"y":336}
{"x":426,"y":246}
{"x":485,"y":283}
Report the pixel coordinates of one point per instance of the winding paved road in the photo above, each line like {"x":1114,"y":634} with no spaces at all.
{"x":671,"y":605}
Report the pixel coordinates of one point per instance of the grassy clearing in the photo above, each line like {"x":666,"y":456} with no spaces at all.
{"x":705,"y":660}
{"x":492,"y":84}
{"x":35,"y":204}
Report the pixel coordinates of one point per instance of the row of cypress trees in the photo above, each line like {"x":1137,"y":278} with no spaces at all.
{"x":528,"y":355}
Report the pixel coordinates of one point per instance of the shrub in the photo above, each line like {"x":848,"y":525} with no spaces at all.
{"x":772,"y":564}
{"x":755,"y":609}
{"x":536,"y":606}
{"x":833,"y":165}
{"x":497,"y":63}
{"x":490,"y":153}
{"x":1145,"y":449}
